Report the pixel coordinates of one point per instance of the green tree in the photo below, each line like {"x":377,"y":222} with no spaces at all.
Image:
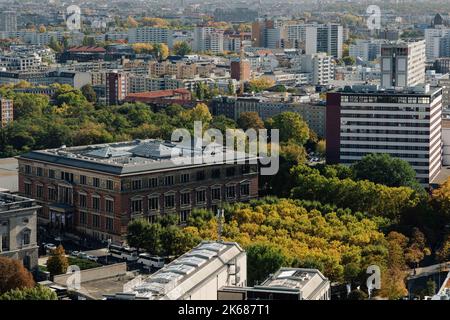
{"x":357,"y":295}
{"x":137,"y":233}
{"x":383,"y":169}
{"x":57,"y":263}
{"x":34,"y":293}
{"x":292,"y":128}
{"x":89,"y":93}
{"x":13,"y":275}
{"x":181,"y":48}
{"x":262,"y":260}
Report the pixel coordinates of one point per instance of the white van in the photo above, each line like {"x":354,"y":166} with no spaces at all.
{"x":149,"y":261}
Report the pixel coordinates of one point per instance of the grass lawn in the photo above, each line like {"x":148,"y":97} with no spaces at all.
{"x":83,"y":264}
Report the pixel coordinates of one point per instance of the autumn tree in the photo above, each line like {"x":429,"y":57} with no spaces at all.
{"x":292,"y":128}
{"x":89,"y":93}
{"x":142,"y":48}
{"x":260,"y":84}
{"x":250,"y":120}
{"x":57,"y":263}
{"x":160,"y":51}
{"x":13,"y":275}
{"x":33,"y":293}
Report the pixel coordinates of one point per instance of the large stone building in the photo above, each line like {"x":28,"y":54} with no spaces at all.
{"x":97,"y":190}
{"x":18,"y":221}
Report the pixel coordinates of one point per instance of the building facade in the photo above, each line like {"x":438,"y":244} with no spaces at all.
{"x":96,"y":190}
{"x":6,"y":111}
{"x":405,"y":124}
{"x":18,"y":227}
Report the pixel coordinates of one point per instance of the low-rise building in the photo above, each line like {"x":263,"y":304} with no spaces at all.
{"x":196,"y":275}
{"x":6,"y":111}
{"x":18,"y":221}
{"x":96,"y":190}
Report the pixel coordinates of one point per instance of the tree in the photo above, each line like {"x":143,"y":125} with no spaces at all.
{"x":443,"y":254}
{"x":140,"y":48}
{"x":160,"y":51}
{"x":34,"y":293}
{"x":292,"y":128}
{"x":55,"y":45}
{"x":260,"y":84}
{"x":181,"y":48}
{"x":89,"y":93}
{"x":57,"y":263}
{"x":417,"y":249}
{"x":152,"y":238}
{"x":383,"y":169}
{"x":321,"y":147}
{"x":131,"y":22}
{"x":231,"y":90}
{"x":89,"y":41}
{"x":357,"y":294}
{"x":349,"y":61}
{"x":137,"y":233}
{"x":262,"y":260}
{"x":13,"y":275}
{"x":250,"y":120}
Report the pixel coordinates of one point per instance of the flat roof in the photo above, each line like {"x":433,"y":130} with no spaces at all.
{"x":138,"y":156}
{"x":11,"y":202}
{"x":9,"y":175}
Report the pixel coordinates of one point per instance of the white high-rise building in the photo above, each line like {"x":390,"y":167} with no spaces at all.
{"x":403,"y":64}
{"x":320,"y":66}
{"x":8,"y":21}
{"x":208,"y":39}
{"x":405,"y":124}
{"x":367,"y":50}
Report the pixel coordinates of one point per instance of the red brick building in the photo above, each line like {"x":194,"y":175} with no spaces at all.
{"x":95,"y":191}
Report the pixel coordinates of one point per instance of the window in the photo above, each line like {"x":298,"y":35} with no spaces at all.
{"x":26,"y":238}
{"x":27,"y":169}
{"x":168,"y":181}
{"x":231,"y":191}
{"x":153,"y":182}
{"x":39,"y":171}
{"x":110,"y":224}
{"x":109,"y":184}
{"x":153,"y":203}
{"x":169,"y":201}
{"x":52,"y":194}
{"x":136,"y":205}
{"x":96,"y":203}
{"x":186,"y":199}
{"x":201,"y":196}
{"x":83,"y":218}
{"x":39,"y":191}
{"x":185,"y":177}
{"x":245,"y":190}
{"x":96,"y":221}
{"x":109,"y":205}
{"x":216,"y":194}
{"x":83,"y":180}
{"x":230,"y":171}
{"x":51,"y":174}
{"x":215,"y":174}
{"x":28,"y":191}
{"x":136,"y":184}
{"x":96,"y":182}
{"x":83,"y":201}
{"x":184,"y":215}
{"x":67,"y":176}
{"x":201,"y":175}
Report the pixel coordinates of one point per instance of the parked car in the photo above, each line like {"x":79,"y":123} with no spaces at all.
{"x":49,"y":246}
{"x":74,"y":253}
{"x":82,"y":255}
{"x":92,"y":258}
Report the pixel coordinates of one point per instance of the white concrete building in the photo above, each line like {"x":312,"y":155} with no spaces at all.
{"x":196,"y":275}
{"x":403,"y":64}
{"x":208,"y":39}
{"x":8,"y":21}
{"x":150,"y":35}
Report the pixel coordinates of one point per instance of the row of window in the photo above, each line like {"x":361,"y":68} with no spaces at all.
{"x":385,"y":99}
{"x":185,"y":199}
{"x":96,"y":221}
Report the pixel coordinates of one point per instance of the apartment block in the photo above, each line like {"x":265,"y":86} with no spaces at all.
{"x":6,"y":111}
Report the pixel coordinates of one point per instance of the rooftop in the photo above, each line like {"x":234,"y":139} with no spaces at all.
{"x":419,"y":90}
{"x":10,"y":202}
{"x":138,"y":156}
{"x":183,"y":274}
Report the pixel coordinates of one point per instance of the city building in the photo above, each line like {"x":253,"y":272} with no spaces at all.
{"x":151,"y":35}
{"x":96,"y":190}
{"x":366,"y":50}
{"x":8,"y":21}
{"x":196,"y":275}
{"x":235,"y":15}
{"x":46,"y":78}
{"x":285,"y":284}
{"x":402,"y":64}
{"x":330,"y":39}
{"x":320,"y":67}
{"x":442,"y":65}
{"x":405,"y":124}
{"x":208,"y":39}
{"x":6,"y":111}
{"x":18,"y":227}
{"x":116,"y":87}
{"x":314,"y":114}
{"x":240,"y":70}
